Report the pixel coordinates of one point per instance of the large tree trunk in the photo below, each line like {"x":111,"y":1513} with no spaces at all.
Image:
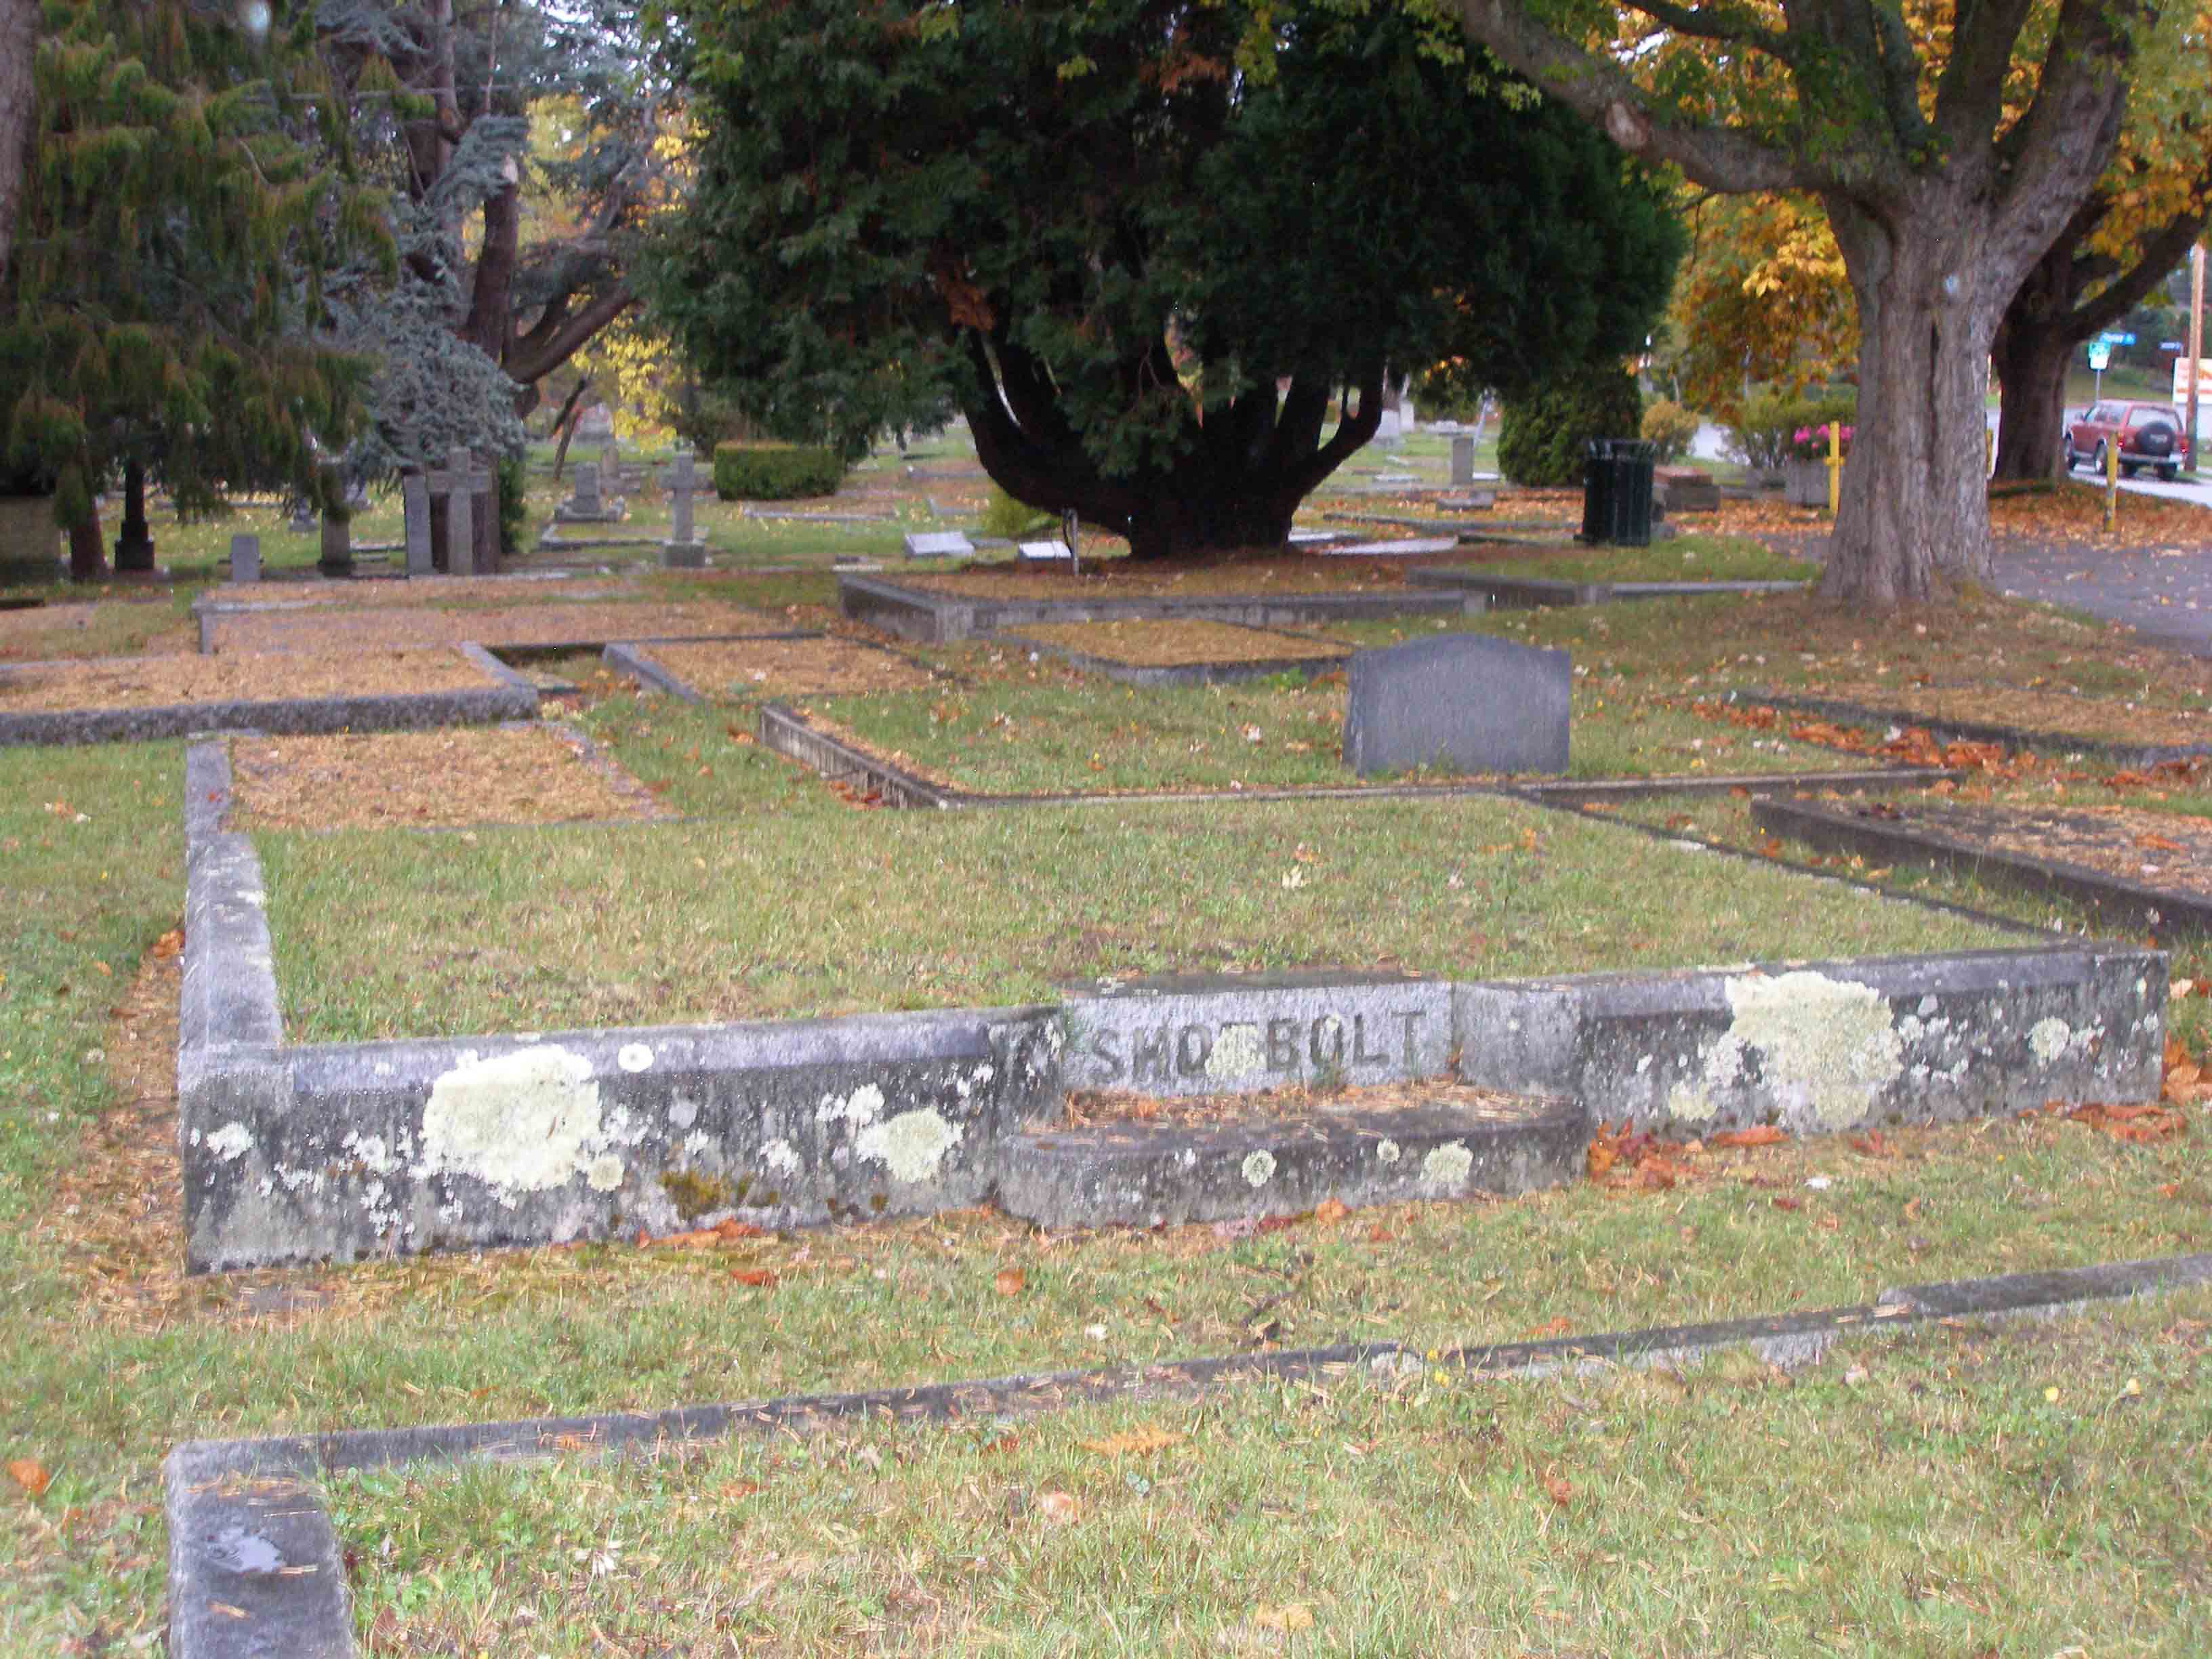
{"x":19,"y":42}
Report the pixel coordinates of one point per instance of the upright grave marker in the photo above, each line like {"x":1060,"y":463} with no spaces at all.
{"x":337,"y":558}
{"x":460,"y":482}
{"x":415,"y":504}
{"x":1460,"y":701}
{"x":245,"y":557}
{"x":682,"y":549}
{"x":1462,"y":461}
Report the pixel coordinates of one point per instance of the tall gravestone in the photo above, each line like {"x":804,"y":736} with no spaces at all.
{"x":684,"y":549}
{"x":245,"y":557}
{"x":415,"y":506}
{"x":461,"y":482}
{"x":1462,"y":702}
{"x":1462,"y":461}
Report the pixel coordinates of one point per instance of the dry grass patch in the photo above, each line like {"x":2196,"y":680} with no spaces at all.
{"x":2031,"y":710}
{"x":554,"y":620}
{"x":1171,"y":644}
{"x":162,"y":682}
{"x":431,"y":780}
{"x":38,"y":633}
{"x":781,"y":668}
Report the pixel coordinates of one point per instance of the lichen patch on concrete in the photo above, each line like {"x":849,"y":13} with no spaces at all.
{"x":520,"y":1122}
{"x":1445,"y":1169}
{"x":1259,"y":1168}
{"x":231,"y":1142}
{"x":860,"y":1108}
{"x":1827,"y":1047}
{"x":1236,"y":1051}
{"x":911,"y":1146}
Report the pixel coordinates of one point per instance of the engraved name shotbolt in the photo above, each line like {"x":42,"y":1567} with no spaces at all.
{"x":1171,"y":1051}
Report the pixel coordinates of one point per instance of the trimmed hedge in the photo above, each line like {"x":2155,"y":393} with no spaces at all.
{"x":1540,"y":439}
{"x":775,"y":472}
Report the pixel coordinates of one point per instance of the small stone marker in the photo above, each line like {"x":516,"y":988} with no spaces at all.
{"x":1462,"y":701}
{"x":1386,"y":430}
{"x":415,"y":505}
{"x":338,"y":546}
{"x":938,"y":545}
{"x":682,"y":549}
{"x":1042,"y":552}
{"x":1397,"y":478}
{"x":1463,"y":470}
{"x":585,"y":502}
{"x":1318,"y":538}
{"x":245,"y":557}
{"x":1689,"y":489}
{"x":610,"y":477}
{"x":459,"y":482}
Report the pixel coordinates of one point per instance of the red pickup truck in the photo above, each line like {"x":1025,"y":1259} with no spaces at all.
{"x":2146,"y":435}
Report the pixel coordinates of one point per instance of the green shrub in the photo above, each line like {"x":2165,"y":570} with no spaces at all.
{"x":775,"y":472}
{"x":1014,"y":520}
{"x":1671,"y":427}
{"x":1766,"y":432}
{"x":1542,"y":437}
{"x":511,"y":477}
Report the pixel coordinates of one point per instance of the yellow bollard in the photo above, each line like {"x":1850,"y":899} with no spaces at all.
{"x":2112,"y":483}
{"x":1835,"y":465}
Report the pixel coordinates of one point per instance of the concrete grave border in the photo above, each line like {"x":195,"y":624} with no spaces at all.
{"x":632,"y":657}
{"x":256,"y":1567}
{"x":935,"y":618}
{"x":2119,"y":901}
{"x":1182,"y":673}
{"x":295,"y":1152}
{"x":2121,"y":754}
{"x":1532,"y":592}
{"x":509,"y":697}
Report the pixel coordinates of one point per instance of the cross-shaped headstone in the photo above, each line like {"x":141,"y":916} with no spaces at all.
{"x":682,"y":548}
{"x":460,"y":482}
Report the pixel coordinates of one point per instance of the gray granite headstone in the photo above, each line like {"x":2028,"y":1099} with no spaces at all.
{"x":938,"y":545}
{"x":1460,"y":701}
{"x":1463,"y":470}
{"x":586,"y":498}
{"x":245,"y":557}
{"x":415,"y":505}
{"x":338,"y":546}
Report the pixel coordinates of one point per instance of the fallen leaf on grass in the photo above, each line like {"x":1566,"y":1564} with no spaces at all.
{"x":1787,"y":1203}
{"x":1296,"y":1617}
{"x":2159,"y":843}
{"x":699,"y":1238}
{"x":1330,"y":1211}
{"x":1869,"y":1145}
{"x":169,"y":945}
{"x":1059,"y":1507}
{"x":1558,"y":1326}
{"x":734,"y":1489}
{"x":2136,"y":1123}
{"x":32,"y":1477}
{"x":759,"y":1278}
{"x":1008,"y":1281}
{"x":1764,"y":1134}
{"x":1127,"y":1441}
{"x":1558,"y":1490}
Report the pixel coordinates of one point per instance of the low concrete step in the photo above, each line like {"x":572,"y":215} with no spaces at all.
{"x":1221,"y":1158}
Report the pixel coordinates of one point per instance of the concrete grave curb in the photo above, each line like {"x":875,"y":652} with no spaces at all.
{"x":2119,"y":902}
{"x":634,"y":659}
{"x":936,"y":618}
{"x":1947,"y":730}
{"x":340,"y":1150}
{"x":1528,"y":592}
{"x":1182,"y":673}
{"x":256,"y":1568}
{"x":509,"y":697}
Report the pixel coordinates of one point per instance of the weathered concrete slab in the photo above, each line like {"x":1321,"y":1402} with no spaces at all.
{"x":1531,"y":593}
{"x":1823,"y":1046}
{"x":255,"y":1568}
{"x":1465,"y":700}
{"x":1141,"y":1174}
{"x":932,"y":618}
{"x":1208,"y":1034}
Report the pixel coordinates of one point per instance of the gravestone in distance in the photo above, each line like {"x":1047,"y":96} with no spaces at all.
{"x":1462,"y":472}
{"x":1689,"y":490}
{"x":414,"y":507}
{"x":336,"y":557}
{"x":245,"y":557}
{"x":938,"y":545}
{"x":1386,"y":430}
{"x":1044,"y":552}
{"x":682,"y":549}
{"x":460,"y":482}
{"x":1460,"y":701}
{"x":591,"y":504}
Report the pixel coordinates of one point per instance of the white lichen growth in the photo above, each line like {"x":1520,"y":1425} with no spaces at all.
{"x":520,"y":1122}
{"x":231,"y":1142}
{"x":911,"y":1146}
{"x":604,"y":1174}
{"x":1259,"y":1168}
{"x":780,"y":1156}
{"x":2047,"y":1039}
{"x":634,"y":1057}
{"x":1827,"y":1046}
{"x":1236,"y":1051}
{"x":1389,"y":1151}
{"x":1446,"y":1167}
{"x":860,"y":1108}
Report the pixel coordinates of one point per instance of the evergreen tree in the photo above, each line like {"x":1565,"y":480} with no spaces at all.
{"x":188,"y":189}
{"x":1141,"y":245}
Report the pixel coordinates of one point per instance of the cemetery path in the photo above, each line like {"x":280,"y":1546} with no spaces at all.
{"x":2163,"y":593}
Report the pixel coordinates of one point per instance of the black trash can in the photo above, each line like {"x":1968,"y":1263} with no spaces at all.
{"x":1617,"y":480}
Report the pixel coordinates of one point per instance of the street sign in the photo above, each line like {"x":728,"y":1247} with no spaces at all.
{"x":2101,"y":355}
{"x":2114,"y":337}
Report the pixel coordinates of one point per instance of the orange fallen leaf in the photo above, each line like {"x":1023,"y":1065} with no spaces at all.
{"x":1763,"y":1134}
{"x":1330,"y":1211}
{"x":738,"y":1488}
{"x":1008,"y":1281}
{"x":1059,"y":1507}
{"x":1602,"y":1156}
{"x":169,"y":945}
{"x":1558,"y":1326}
{"x":2159,"y":843}
{"x":1869,"y":1145}
{"x":32,"y":1477}
{"x":2136,"y":1123}
{"x":1558,"y":1490}
{"x":761,"y":1278}
{"x":1787,"y":1203}
{"x":728,"y":1232}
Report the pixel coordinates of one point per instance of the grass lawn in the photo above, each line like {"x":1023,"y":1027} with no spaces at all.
{"x":1893,"y":1499}
{"x":378,"y":935}
{"x":1684,"y":559}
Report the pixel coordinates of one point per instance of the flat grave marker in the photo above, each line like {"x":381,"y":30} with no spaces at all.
{"x":938,"y":545}
{"x":1461,"y":701}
